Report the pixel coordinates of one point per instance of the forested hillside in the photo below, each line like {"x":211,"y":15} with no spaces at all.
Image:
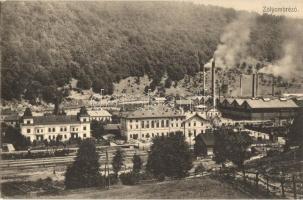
{"x":45,"y":44}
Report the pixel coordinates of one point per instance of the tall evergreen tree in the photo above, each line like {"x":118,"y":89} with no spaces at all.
{"x":117,"y":161}
{"x":170,"y":156}
{"x":84,"y":172}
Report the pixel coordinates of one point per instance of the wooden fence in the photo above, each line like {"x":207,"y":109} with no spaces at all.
{"x":284,"y":185}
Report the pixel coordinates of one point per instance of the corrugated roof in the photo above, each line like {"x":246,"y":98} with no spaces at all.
{"x":55,"y":119}
{"x":239,"y":101}
{"x":274,"y":103}
{"x":153,"y":112}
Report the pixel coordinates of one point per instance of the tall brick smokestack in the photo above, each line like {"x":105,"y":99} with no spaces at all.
{"x":257,"y":83}
{"x":253,"y":85}
{"x":241,"y":92}
{"x":213,"y":81}
{"x":273,"y":86}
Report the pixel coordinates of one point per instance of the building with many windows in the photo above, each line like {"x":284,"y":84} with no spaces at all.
{"x":147,"y":123}
{"x":56,"y":127}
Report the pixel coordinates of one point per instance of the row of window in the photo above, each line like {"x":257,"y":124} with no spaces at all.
{"x":160,"y":123}
{"x":171,"y":119}
{"x":62,"y":129}
{"x":147,"y":135}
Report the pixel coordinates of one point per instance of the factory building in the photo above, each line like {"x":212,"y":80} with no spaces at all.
{"x":259,"y":109}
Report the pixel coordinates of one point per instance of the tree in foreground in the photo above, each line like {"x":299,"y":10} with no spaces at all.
{"x":200,"y":149}
{"x":137,"y":163}
{"x":97,"y":129}
{"x":84,"y":172}
{"x":295,"y":136}
{"x":12,"y":135}
{"x":117,"y":162}
{"x":232,"y":146}
{"x":170,"y":156}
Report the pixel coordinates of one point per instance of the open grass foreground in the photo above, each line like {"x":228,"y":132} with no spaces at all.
{"x":203,"y":187}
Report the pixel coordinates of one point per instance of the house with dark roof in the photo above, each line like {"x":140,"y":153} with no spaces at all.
{"x":9,"y":117}
{"x":56,"y":127}
{"x":208,"y":142}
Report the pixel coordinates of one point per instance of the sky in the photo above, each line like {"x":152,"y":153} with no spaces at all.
{"x":258,"y":5}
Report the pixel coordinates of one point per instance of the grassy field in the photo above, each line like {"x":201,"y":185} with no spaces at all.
{"x":203,"y":187}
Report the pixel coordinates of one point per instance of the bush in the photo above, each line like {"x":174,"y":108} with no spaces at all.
{"x":113,"y":179}
{"x":130,"y":178}
{"x":146,"y":176}
{"x":160,"y":177}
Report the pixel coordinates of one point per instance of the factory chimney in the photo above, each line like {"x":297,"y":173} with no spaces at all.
{"x":273,"y":86}
{"x":213,"y":83}
{"x":253,"y":85}
{"x":257,"y":84}
{"x":241,"y":85}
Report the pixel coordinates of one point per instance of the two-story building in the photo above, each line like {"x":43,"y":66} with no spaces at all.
{"x":160,"y":121}
{"x":56,"y":127}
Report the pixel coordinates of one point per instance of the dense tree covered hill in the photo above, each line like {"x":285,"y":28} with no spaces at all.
{"x":45,"y":44}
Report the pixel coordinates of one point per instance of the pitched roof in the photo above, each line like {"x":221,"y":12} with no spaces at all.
{"x":191,"y":115}
{"x":98,"y":113}
{"x":239,"y":101}
{"x":55,"y":119}
{"x":12,"y":117}
{"x":274,"y":103}
{"x":153,"y":112}
{"x":208,"y":139}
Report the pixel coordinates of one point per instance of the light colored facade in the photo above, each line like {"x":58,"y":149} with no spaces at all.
{"x":50,"y":127}
{"x":193,"y":125}
{"x":160,"y":121}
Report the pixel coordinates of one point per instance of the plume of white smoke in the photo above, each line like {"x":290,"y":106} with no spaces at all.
{"x":291,"y":64}
{"x":233,"y":42}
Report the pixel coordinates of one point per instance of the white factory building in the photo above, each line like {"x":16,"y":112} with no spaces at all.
{"x":146,"y":123}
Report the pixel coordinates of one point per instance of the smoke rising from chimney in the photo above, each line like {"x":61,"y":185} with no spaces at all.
{"x":291,"y":63}
{"x":233,"y":42}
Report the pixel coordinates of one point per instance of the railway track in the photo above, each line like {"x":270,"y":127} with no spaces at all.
{"x":54,"y":161}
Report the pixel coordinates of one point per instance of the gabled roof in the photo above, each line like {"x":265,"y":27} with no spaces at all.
{"x":99,"y":113}
{"x":208,"y":139}
{"x":239,"y":101}
{"x":274,"y":103}
{"x":195,"y":114}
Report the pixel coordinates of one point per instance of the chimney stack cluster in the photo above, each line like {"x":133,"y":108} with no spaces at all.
{"x":255,"y":85}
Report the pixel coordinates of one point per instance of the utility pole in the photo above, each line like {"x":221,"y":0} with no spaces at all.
{"x":108,"y":176}
{"x":204,"y":85}
{"x":101,"y":98}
